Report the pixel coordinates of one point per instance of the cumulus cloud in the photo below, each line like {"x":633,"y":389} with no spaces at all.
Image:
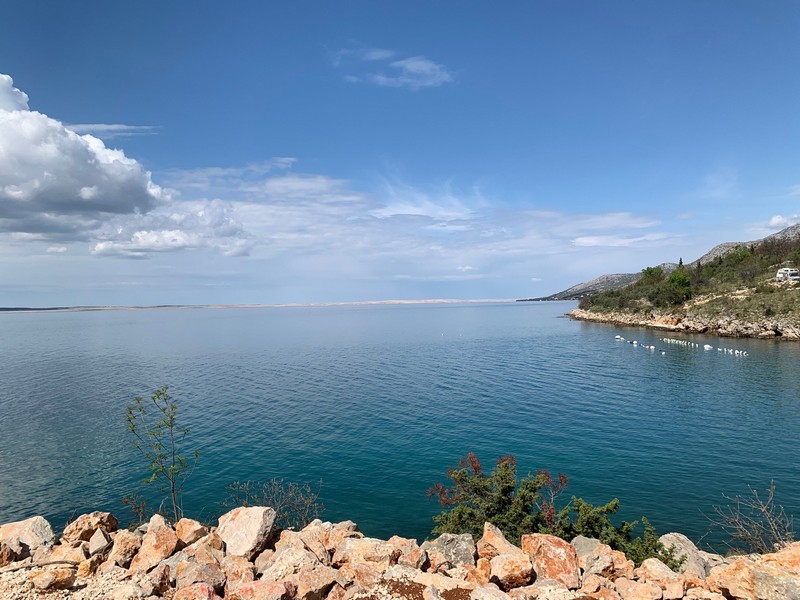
{"x":778,"y":222}
{"x":56,"y":184}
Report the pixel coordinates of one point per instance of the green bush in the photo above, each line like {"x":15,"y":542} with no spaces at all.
{"x":517,"y":507}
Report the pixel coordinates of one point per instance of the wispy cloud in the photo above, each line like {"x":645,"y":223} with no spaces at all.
{"x":794,"y":190}
{"x":109,"y":131}
{"x":619,"y":241}
{"x":414,"y":72}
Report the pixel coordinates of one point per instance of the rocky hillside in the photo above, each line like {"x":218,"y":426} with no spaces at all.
{"x":245,"y":558}
{"x":618,"y":281}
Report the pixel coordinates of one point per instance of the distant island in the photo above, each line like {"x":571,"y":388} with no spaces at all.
{"x":732,"y":290}
{"x":27,"y":309}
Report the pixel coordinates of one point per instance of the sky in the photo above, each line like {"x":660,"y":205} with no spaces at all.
{"x":203,"y":152}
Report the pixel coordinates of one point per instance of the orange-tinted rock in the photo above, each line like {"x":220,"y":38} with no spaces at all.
{"x":633,"y":590}
{"x":53,"y":579}
{"x":366,"y":550}
{"x":653,"y":570}
{"x":85,"y":526}
{"x":158,"y":543}
{"x":488,"y":592}
{"x":89,"y":566}
{"x":189,"y":531}
{"x":188,"y":573}
{"x":553,"y":558}
{"x":493,"y":543}
{"x":480,"y":573}
{"x":511,"y":570}
{"x":29,"y":534}
{"x":673,"y":590}
{"x":246,"y":530}
{"x":411,"y":555}
{"x":159,"y":579}
{"x":126,"y":545}
{"x":237,"y":570}
{"x":197,"y":591}
{"x":7,"y":553}
{"x":261,"y":590}
{"x":604,"y":594}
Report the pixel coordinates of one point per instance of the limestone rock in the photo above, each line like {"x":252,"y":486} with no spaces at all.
{"x":197,"y":591}
{"x":544,"y":589}
{"x":31,"y":534}
{"x":683,"y":546}
{"x":488,"y":592}
{"x":411,"y":555}
{"x":98,"y":542}
{"x":89,"y":566}
{"x":237,"y":570}
{"x":366,"y":550}
{"x":553,"y":558}
{"x":246,"y":530}
{"x":584,"y":548}
{"x":494,"y":543}
{"x":191,"y":572}
{"x":332,"y":534}
{"x":130,"y":591}
{"x":633,"y":590}
{"x":189,"y":531}
{"x":75,"y":552}
{"x":311,"y":579}
{"x":261,"y":590}
{"x":511,"y":570}
{"x":653,"y":570}
{"x":8,"y":551}
{"x":53,"y":579}
{"x":158,"y":543}
{"x":450,"y":550}
{"x":85,"y":526}
{"x":159,"y":579}
{"x":126,"y":545}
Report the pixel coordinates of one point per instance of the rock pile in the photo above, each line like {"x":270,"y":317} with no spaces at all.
{"x":246,"y":558}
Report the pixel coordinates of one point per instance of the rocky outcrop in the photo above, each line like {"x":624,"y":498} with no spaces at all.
{"x":243,"y":559}
{"x":724,"y":326}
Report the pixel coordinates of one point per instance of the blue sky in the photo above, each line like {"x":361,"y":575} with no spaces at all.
{"x":267,"y":152}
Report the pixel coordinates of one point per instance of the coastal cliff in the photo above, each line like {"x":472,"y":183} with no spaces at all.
{"x":777,"y":327}
{"x":246,"y":558}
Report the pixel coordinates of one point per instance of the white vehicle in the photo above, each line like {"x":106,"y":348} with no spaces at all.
{"x":788,"y":274}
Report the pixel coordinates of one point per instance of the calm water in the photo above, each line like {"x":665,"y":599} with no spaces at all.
{"x":378,"y":401}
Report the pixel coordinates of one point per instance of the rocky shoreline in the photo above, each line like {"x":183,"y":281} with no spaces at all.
{"x":724,"y":326}
{"x":245,"y":557}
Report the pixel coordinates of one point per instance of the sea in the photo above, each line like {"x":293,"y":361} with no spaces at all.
{"x":371,"y":404}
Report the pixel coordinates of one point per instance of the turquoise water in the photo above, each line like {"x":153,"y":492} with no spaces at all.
{"x":378,"y":401}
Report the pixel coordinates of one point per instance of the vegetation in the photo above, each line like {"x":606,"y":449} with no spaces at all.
{"x":295,"y":505}
{"x":748,"y":269}
{"x":528,"y":505}
{"x":753,"y":523}
{"x":154,"y":424}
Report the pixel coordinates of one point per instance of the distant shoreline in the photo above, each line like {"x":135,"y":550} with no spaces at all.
{"x":59,"y":309}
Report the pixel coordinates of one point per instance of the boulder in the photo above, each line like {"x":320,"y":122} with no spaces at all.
{"x":126,"y":545}
{"x":89,"y":566}
{"x":634,"y":590}
{"x":30,"y":534}
{"x":237,"y":570}
{"x":769,"y":577}
{"x":332,"y":534}
{"x":411,"y":555}
{"x":694,"y":564}
{"x":130,"y":591}
{"x":653,"y":570}
{"x":450,"y":550}
{"x":311,"y":579}
{"x":488,"y":592}
{"x":544,"y":589}
{"x":405,"y":582}
{"x":493,"y":543}
{"x":584,"y":548}
{"x":85,"y":526}
{"x":98,"y":542}
{"x":53,"y":579}
{"x":191,"y":572}
{"x":363,"y":550}
{"x":158,"y":543}
{"x":159,"y":579}
{"x":189,"y":531}
{"x":8,"y":551}
{"x":197,"y":591}
{"x":246,"y":530}
{"x":262,"y":590}
{"x":305,"y":541}
{"x":553,"y":558}
{"x":511,"y":570}
{"x":75,"y":552}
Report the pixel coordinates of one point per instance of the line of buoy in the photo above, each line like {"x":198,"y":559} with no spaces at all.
{"x":684,"y":343}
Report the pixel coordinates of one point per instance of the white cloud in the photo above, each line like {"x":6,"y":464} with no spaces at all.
{"x":778,"y":222}
{"x":794,"y":190}
{"x":56,"y":249}
{"x":617,"y":241}
{"x":415,"y":73}
{"x":10,"y":97}
{"x":58,"y":185}
{"x":109,"y":131}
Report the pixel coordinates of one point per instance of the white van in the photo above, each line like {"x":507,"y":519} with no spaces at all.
{"x":788,"y":274}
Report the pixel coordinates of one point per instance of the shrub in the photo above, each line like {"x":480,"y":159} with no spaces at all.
{"x":517,"y":507}
{"x":159,"y":437}
{"x":753,"y":523}
{"x":295,"y":505}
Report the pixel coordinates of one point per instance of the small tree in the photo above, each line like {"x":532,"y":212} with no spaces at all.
{"x":295,"y":505}
{"x":158,"y":437}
